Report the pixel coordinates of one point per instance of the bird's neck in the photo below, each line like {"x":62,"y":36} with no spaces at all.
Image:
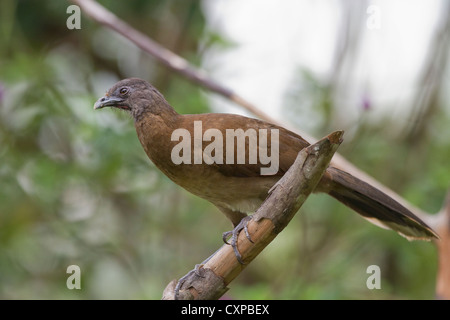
{"x":154,"y":130}
{"x":158,"y":106}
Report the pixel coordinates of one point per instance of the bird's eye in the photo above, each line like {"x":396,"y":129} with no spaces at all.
{"x":123,"y":91}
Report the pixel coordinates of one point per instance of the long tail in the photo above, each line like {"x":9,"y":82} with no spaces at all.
{"x":376,"y":206}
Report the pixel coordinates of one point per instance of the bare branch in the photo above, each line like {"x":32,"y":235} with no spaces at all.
{"x":171,"y":60}
{"x":285,"y":199}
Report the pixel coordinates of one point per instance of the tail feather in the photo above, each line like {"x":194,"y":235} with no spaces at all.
{"x":377,"y":207}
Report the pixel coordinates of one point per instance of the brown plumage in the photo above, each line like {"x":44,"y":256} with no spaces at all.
{"x":239,"y":189}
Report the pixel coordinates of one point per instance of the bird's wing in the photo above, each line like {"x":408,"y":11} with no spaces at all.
{"x":289,"y":144}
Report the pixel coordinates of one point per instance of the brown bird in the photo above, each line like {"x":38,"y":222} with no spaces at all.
{"x":191,"y":150}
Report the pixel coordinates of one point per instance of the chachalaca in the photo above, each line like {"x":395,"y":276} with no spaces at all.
{"x":238,"y":189}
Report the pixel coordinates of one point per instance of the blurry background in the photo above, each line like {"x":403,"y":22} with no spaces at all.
{"x":77,"y":188}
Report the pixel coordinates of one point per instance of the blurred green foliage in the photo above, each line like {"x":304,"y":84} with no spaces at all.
{"x":77,"y":188}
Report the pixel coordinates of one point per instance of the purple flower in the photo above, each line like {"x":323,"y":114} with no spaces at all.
{"x":366,"y":103}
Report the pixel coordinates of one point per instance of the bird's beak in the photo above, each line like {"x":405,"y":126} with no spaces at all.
{"x":107,"y":101}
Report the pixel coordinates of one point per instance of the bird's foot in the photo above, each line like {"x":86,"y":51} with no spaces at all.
{"x":198,"y":271}
{"x":234,"y":236}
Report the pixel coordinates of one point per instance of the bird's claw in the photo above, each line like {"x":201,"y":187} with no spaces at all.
{"x":198,"y":270}
{"x":234,"y":236}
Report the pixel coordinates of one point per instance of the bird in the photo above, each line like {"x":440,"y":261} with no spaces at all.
{"x":187,"y":149}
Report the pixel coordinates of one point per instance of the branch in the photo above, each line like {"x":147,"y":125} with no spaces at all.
{"x":210,"y":280}
{"x":171,"y":60}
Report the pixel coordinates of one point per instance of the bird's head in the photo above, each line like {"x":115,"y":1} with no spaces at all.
{"x":133,"y":95}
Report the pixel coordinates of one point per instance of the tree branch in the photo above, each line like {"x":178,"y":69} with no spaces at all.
{"x":210,"y":280}
{"x":171,"y":60}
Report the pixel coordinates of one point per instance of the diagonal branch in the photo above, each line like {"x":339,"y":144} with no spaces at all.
{"x":171,"y":60}
{"x":210,"y":280}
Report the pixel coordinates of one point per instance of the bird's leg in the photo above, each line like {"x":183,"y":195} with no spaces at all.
{"x":234,"y":236}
